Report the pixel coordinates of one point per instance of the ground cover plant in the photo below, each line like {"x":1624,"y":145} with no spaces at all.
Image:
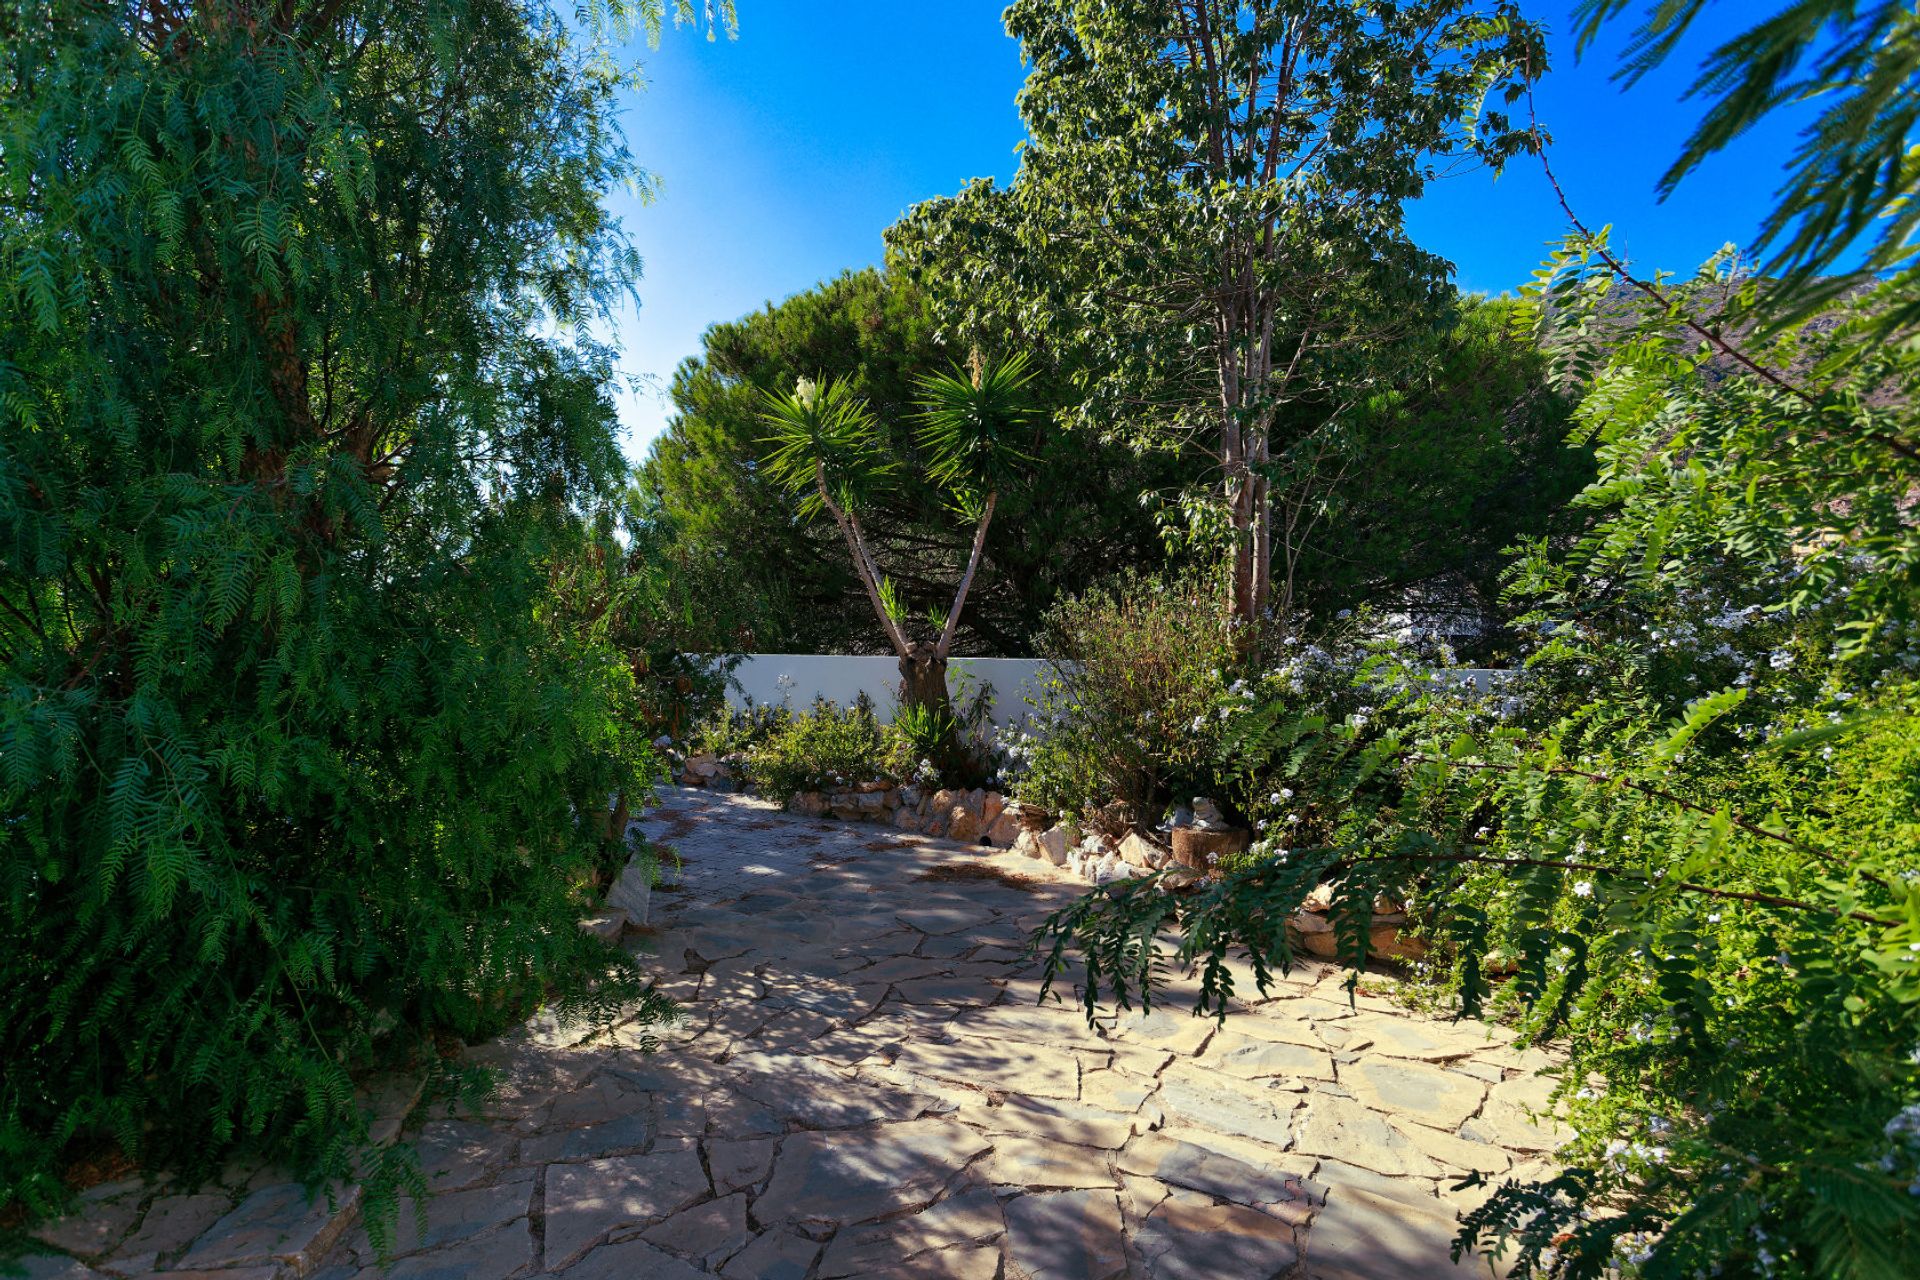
{"x":306,"y":754}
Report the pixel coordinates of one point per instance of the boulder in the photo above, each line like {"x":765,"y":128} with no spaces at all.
{"x":1313,"y":934}
{"x":943,"y":800}
{"x":1054,"y":843}
{"x":1095,"y":845}
{"x":808,"y":804}
{"x":701,"y":767}
{"x":910,"y":797}
{"x":1028,"y":843}
{"x":867,"y":788}
{"x":963,"y":824}
{"x":632,"y":891}
{"x":1142,"y":852}
{"x":870,"y":805}
{"x":1387,"y":941}
{"x":992,"y":805}
{"x":1004,"y":831}
{"x":907,"y":819}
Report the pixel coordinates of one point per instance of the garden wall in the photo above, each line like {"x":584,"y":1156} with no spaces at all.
{"x":769,"y":679}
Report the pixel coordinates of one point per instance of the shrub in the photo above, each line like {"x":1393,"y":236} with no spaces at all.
{"x":305,"y":759}
{"x":1129,"y":711}
{"x":820,"y":749}
{"x":728,"y":730}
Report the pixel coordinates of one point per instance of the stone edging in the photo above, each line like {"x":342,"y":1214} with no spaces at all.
{"x":263,"y":1228}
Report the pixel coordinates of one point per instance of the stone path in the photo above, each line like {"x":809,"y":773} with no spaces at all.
{"x":862,"y":1085}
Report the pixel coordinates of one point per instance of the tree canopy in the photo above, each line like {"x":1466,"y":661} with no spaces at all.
{"x":1076,"y":519}
{"x":1207,"y":219}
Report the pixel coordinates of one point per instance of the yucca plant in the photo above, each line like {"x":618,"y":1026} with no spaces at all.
{"x":829,"y":451}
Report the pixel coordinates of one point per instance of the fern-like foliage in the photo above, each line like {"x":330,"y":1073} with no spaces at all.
{"x":304,"y":759}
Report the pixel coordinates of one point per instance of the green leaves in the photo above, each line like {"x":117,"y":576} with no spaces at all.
{"x":302,"y":741}
{"x":825,"y":445}
{"x":974,"y":424}
{"x":1206,"y":226}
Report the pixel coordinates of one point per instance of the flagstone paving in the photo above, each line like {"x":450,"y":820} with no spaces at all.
{"x":862,"y":1084}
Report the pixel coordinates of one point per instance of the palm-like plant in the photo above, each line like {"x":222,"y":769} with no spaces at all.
{"x":829,"y":451}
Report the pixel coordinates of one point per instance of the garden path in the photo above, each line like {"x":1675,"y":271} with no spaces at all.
{"x":863,"y":1085}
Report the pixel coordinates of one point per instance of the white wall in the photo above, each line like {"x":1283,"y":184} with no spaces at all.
{"x":770,"y":679}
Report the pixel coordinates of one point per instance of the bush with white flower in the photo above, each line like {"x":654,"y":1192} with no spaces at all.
{"x":1682,"y":847}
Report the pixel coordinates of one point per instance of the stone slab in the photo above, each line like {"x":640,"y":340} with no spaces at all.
{"x":277,"y":1223}
{"x":1190,"y":1242}
{"x":1065,"y":1235}
{"x":587,"y":1201}
{"x":1362,"y":1236}
{"x":1414,"y":1090}
{"x":859,"y":1175}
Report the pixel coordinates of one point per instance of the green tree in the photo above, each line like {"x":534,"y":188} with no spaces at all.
{"x":975,"y":429}
{"x":877,"y":333}
{"x":303,"y":756}
{"x":1207,"y":220}
{"x":1416,"y":494}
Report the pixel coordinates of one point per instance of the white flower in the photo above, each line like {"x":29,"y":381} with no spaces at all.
{"x":1583,"y":889}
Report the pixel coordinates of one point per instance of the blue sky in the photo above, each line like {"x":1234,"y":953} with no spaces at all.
{"x":783,"y":155}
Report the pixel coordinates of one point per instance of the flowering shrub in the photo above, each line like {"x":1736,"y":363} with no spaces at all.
{"x":1269,"y":720}
{"x":1130,"y":711}
{"x":1683,"y":845}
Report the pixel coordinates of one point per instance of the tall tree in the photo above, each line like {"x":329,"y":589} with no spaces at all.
{"x":1208,"y":213}
{"x":303,"y":757}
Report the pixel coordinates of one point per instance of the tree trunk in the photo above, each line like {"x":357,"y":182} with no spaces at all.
{"x":923,"y":679}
